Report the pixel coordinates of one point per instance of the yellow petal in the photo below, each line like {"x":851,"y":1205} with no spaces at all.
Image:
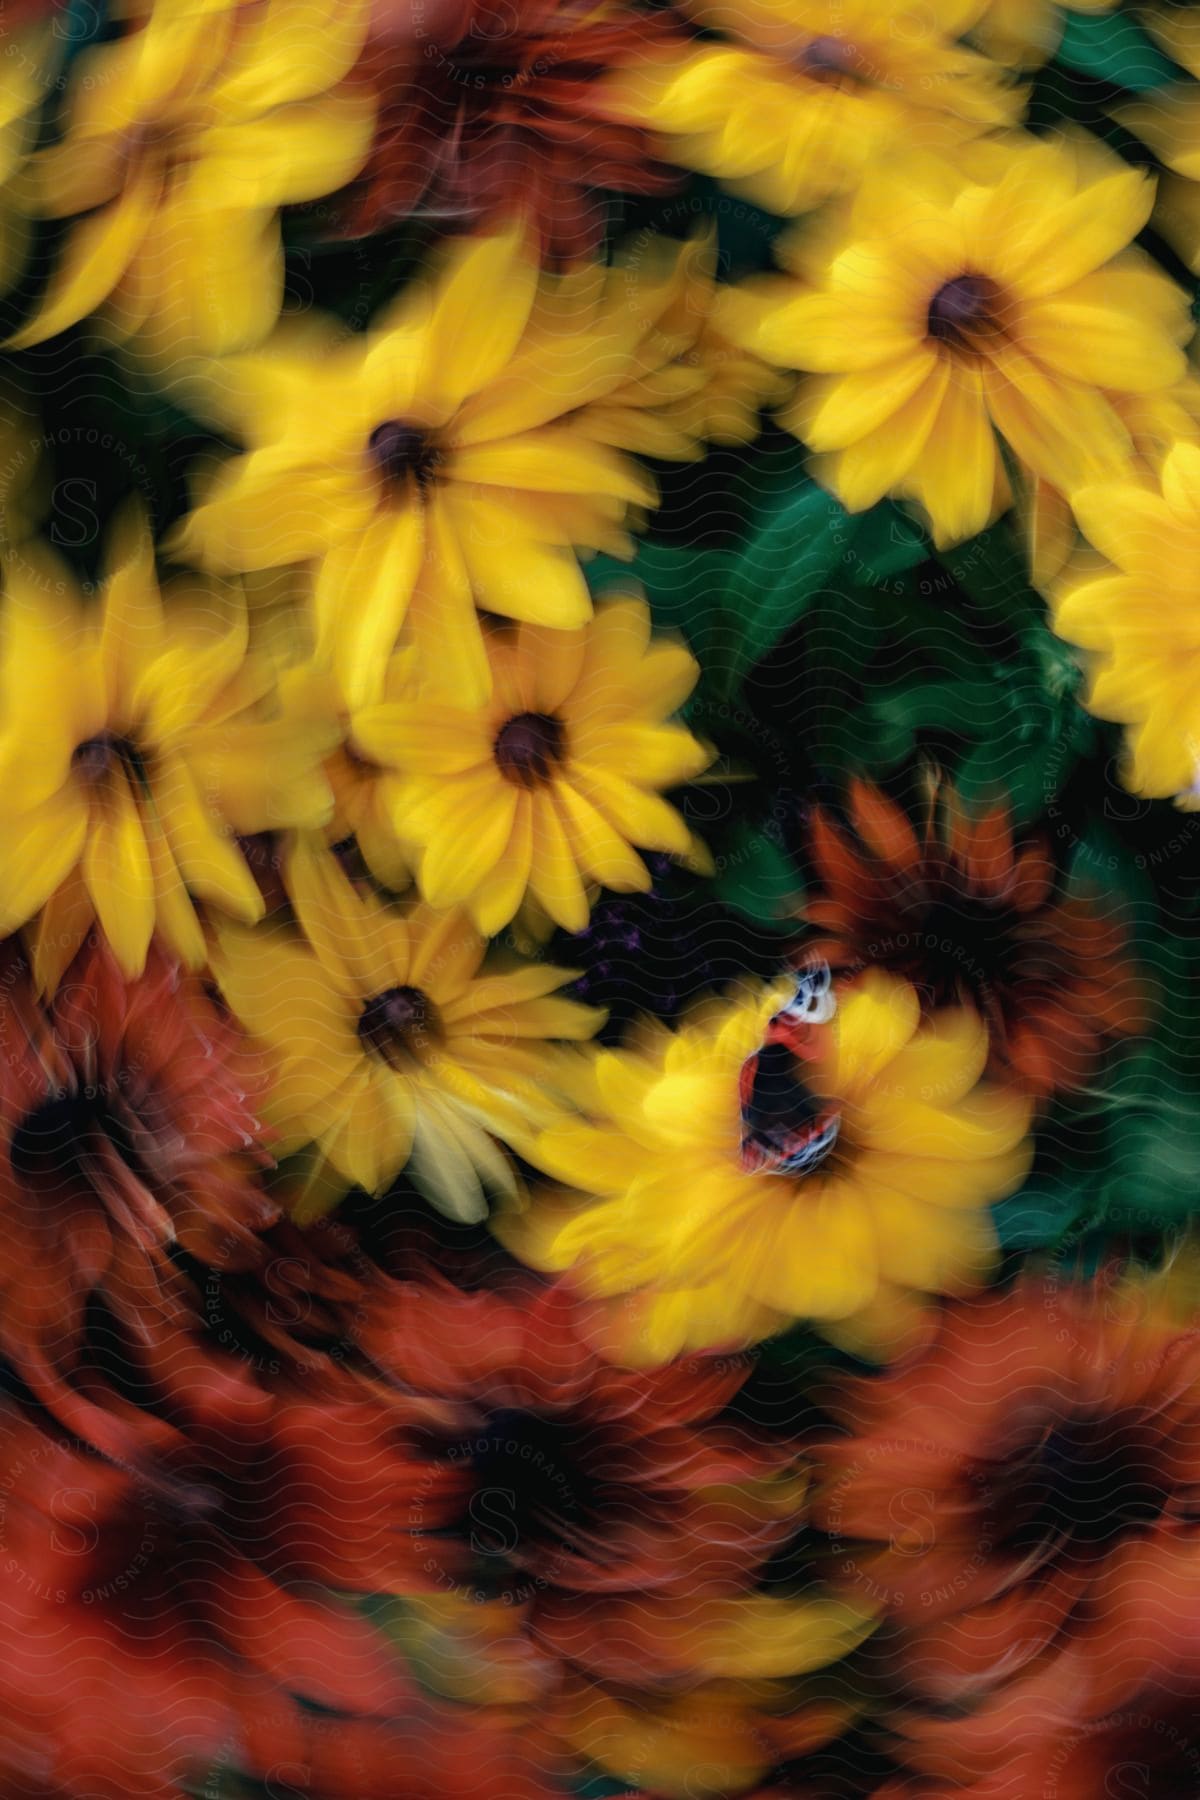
{"x":473,"y":837}
{"x":876,"y":1017}
{"x":350,"y":935}
{"x":98,"y":252}
{"x":41,"y":849}
{"x":480,"y":311}
{"x":498,"y":896}
{"x":554,"y":876}
{"x":116,"y":873}
{"x":210,"y":864}
{"x":361,"y":594}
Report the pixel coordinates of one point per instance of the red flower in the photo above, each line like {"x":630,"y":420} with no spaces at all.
{"x":166,"y":1610}
{"x":1066,"y":1730}
{"x":605,"y":1556}
{"x":966,"y":911}
{"x":615,"y":1483}
{"x":128,"y":1135}
{"x":490,"y":106}
{"x":1022,"y":1479}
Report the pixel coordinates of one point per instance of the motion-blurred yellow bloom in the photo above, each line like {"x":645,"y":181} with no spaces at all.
{"x":137,"y":738}
{"x":1137,"y":612}
{"x":815,"y":91}
{"x":706,"y":1254}
{"x":388,"y":1041}
{"x":446,"y":457}
{"x":183,"y":138}
{"x":546,"y":787}
{"x":951,"y":305}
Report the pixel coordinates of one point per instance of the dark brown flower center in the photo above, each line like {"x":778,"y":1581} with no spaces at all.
{"x":101,"y":756}
{"x":397,"y":1023}
{"x":528,"y":747}
{"x":59,"y":1137}
{"x":1085,"y":1483}
{"x":399,"y":450}
{"x":831,"y":59}
{"x":965,"y":309}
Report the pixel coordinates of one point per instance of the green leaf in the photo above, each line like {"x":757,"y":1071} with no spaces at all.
{"x":784,"y":564}
{"x":973,"y":708}
{"x":757,"y":879}
{"x":1037,"y":1217}
{"x":684,"y":589}
{"x":1112,"y":47}
{"x":886,"y":542}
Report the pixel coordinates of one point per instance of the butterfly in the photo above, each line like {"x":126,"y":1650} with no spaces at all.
{"x":785,"y":1128}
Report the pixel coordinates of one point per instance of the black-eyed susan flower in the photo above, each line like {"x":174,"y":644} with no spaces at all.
{"x":183,"y":138}
{"x":388,"y":1042}
{"x":196,"y":1605}
{"x":444,"y":458}
{"x":128,"y":1129}
{"x":1050,"y":1429}
{"x":954,"y":305}
{"x":545,"y":789}
{"x":599,"y":1539}
{"x":138,"y":738}
{"x":967,"y":910}
{"x":704,"y":1252}
{"x":486,"y":111}
{"x":1060,"y":1655}
{"x":1144,"y":678}
{"x":811,"y":92}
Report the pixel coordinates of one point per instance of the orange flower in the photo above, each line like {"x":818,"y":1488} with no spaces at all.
{"x":128,"y":1134}
{"x":965,"y":910}
{"x":192,"y":1617}
{"x":1027,"y":1479}
{"x":608,"y":1537}
{"x":486,"y":111}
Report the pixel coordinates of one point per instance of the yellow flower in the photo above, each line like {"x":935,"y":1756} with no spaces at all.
{"x":545,"y":787}
{"x":389,"y":1043}
{"x":183,"y":138}
{"x":1025,"y":33}
{"x":442,"y":458}
{"x":949,"y":305}
{"x":704,"y":1253}
{"x":136,"y":739}
{"x":1137,"y":613}
{"x":1155,"y":423}
{"x":712,"y":392}
{"x":814,"y":92}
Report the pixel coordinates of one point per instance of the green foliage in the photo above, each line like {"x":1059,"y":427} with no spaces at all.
{"x":1113,"y":47}
{"x":756,"y":877}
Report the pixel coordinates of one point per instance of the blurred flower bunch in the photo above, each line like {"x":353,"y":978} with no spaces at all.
{"x":599,"y":899}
